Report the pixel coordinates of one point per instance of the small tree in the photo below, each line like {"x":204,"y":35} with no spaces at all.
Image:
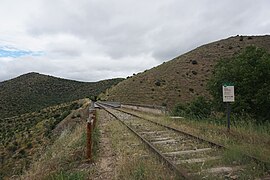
{"x":250,"y":73}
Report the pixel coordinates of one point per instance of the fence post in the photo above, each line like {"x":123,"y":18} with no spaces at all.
{"x":89,"y":140}
{"x":94,"y":118}
{"x":89,"y":130}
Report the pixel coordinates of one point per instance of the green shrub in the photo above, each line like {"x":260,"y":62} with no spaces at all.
{"x":194,"y":62}
{"x":164,"y":104}
{"x":12,"y":148}
{"x":241,"y":38}
{"x":29,"y":145}
{"x":250,"y":73}
{"x":157,"y":83}
{"x":199,"y":108}
{"x":64,"y":115}
{"x":74,"y":106}
{"x":179,"y":110}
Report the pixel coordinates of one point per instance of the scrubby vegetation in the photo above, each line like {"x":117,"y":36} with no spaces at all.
{"x":199,"y":108}
{"x":23,"y":136}
{"x":250,"y":73}
{"x":62,"y":159}
{"x":33,"y":91}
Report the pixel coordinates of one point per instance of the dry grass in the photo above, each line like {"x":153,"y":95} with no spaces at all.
{"x":66,"y":153}
{"x":249,"y":140}
{"x":241,"y":140}
{"x":61,"y":160}
{"x":25,"y":136}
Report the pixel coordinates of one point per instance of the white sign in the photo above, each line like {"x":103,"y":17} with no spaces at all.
{"x":228,"y":93}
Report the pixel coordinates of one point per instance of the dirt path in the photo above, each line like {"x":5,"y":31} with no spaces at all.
{"x":105,"y":165}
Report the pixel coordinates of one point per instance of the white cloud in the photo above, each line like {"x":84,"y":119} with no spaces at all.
{"x":95,"y":39}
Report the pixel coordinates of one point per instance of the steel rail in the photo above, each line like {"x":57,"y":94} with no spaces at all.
{"x":174,"y":129}
{"x":169,"y":127}
{"x":180,"y":171}
{"x":265,"y":163}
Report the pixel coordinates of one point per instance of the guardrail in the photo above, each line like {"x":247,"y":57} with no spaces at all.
{"x":145,"y":108}
{"x":139,"y":107}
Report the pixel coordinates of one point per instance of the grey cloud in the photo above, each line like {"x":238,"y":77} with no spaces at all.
{"x":93,"y":40}
{"x":77,"y":68}
{"x":130,"y":28}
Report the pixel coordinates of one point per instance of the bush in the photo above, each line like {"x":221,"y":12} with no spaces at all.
{"x":164,"y":104}
{"x":12,"y":148}
{"x":157,"y":83}
{"x":179,"y":110}
{"x":199,"y":108}
{"x":64,"y":114}
{"x":92,"y":98}
{"x":250,"y":73}
{"x":241,"y":38}
{"x":75,"y":106}
{"x":194,"y":62}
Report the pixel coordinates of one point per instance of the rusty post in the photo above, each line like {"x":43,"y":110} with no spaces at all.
{"x":94,"y":119}
{"x":89,"y":140}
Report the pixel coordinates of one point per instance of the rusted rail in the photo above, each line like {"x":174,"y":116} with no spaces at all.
{"x":181,"y":171}
{"x":266,"y":164}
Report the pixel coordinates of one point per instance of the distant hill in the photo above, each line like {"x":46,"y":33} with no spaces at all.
{"x":34,"y":91}
{"x":184,"y":77}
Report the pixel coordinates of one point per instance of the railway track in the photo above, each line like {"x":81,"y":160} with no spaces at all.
{"x":190,"y":156}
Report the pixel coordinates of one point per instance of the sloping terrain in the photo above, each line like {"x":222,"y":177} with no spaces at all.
{"x":183,"y":78}
{"x":24,"y":137}
{"x":33,"y":91}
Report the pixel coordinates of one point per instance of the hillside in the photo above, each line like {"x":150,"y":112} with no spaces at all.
{"x":24,"y":137}
{"x":33,"y":91}
{"x":184,"y":77}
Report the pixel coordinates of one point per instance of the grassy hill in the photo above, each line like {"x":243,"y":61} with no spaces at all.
{"x":183,"y":78}
{"x":23,"y":137}
{"x":33,"y":91}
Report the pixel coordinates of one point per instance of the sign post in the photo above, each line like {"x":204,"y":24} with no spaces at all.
{"x":228,"y":96}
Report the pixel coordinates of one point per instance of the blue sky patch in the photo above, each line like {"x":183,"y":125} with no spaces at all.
{"x":7,"y":51}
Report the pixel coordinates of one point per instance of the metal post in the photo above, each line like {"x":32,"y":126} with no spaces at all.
{"x":89,"y":140}
{"x":228,"y":116}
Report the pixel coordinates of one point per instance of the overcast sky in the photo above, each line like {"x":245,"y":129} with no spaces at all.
{"x":91,"y":40}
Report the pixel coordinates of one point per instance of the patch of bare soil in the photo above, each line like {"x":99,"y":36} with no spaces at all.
{"x":105,"y":165}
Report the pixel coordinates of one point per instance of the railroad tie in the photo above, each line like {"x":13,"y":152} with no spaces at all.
{"x":152,"y":132}
{"x":186,"y":152}
{"x":197,"y":160}
{"x":160,"y":139}
{"x":219,"y":170}
{"x":165,"y":141}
